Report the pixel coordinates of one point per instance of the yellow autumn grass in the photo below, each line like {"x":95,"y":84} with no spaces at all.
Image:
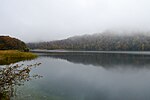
{"x":12,"y":56}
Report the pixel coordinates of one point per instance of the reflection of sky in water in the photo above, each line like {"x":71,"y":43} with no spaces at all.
{"x":64,"y":80}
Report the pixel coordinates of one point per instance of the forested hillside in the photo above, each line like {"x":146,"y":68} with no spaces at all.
{"x":9,"y":43}
{"x":109,"y":42}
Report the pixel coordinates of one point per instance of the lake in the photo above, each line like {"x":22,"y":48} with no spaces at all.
{"x":88,"y":76}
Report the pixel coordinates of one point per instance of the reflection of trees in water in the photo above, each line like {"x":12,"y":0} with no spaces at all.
{"x":106,"y":60}
{"x":14,"y":75}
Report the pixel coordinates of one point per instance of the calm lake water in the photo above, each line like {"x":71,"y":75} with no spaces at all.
{"x":88,"y":76}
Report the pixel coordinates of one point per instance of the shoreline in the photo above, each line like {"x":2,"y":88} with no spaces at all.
{"x":111,"y":52}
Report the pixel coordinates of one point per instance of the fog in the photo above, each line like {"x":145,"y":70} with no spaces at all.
{"x":45,"y":20}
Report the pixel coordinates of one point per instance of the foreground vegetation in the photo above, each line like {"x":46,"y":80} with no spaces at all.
{"x":14,"y":75}
{"x":99,"y":42}
{"x":12,"y":56}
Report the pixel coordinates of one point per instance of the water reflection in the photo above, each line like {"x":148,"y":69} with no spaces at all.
{"x":9,"y":61}
{"x":73,"y":76}
{"x":103,"y":59}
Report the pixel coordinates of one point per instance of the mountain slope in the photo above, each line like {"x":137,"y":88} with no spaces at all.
{"x":101,"y":42}
{"x":9,"y":43}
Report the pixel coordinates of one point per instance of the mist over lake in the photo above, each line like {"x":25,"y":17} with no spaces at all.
{"x":84,"y":50}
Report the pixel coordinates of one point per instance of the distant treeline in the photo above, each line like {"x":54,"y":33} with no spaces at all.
{"x":100,"y":42}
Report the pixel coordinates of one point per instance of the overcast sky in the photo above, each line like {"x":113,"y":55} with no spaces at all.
{"x":39,"y":20}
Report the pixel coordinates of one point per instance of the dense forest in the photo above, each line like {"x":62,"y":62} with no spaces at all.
{"x":9,"y":43}
{"x":101,"y":42}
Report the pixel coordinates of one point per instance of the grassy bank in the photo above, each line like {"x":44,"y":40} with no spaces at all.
{"x":12,"y":56}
